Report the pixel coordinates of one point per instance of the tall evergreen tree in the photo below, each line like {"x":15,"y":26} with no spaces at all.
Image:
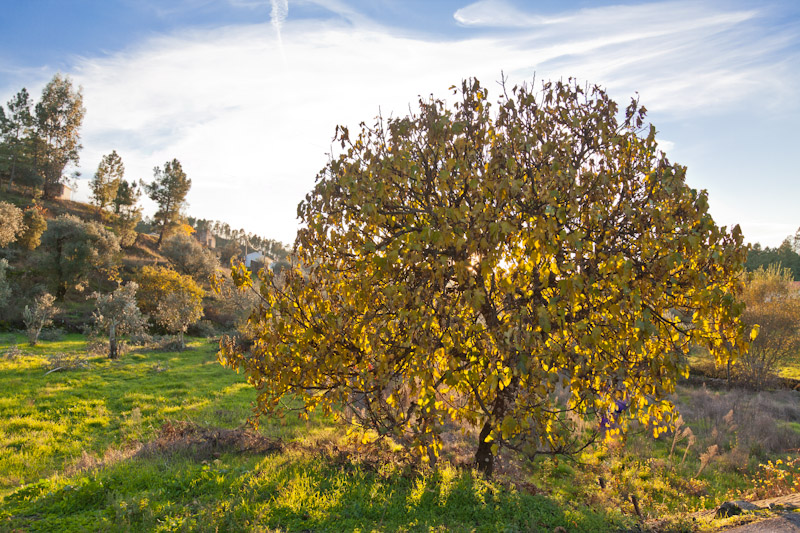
{"x":168,"y":190}
{"x":127,"y":211}
{"x":59,"y":116}
{"x":106,"y":180}
{"x":16,"y":127}
{"x":128,"y":194}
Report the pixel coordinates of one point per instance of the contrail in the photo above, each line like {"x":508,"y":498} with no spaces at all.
{"x":280,"y":9}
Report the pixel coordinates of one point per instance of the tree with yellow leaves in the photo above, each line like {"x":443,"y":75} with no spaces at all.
{"x":461,"y":264}
{"x":174,"y":300}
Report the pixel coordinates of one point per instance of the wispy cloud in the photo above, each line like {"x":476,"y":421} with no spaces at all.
{"x":278,"y":14}
{"x":680,"y":56}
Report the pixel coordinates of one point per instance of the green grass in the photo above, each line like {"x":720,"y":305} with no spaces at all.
{"x":48,"y":421}
{"x":791,"y":369}
{"x":88,"y":450}
{"x":288,"y":492}
{"x":71,"y":459}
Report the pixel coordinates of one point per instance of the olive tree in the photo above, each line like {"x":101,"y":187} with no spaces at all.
{"x":177,"y":311}
{"x":74,"y":249}
{"x":189,"y":257}
{"x":117,"y":314}
{"x":461,"y":264}
{"x":39,"y":315}
{"x":11,"y":223}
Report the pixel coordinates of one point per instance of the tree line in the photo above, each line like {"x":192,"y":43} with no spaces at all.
{"x":787,"y":255}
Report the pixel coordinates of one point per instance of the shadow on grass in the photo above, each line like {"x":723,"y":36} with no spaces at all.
{"x":285,"y":491}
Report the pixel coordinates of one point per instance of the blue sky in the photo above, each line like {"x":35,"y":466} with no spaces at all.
{"x":247,"y":93}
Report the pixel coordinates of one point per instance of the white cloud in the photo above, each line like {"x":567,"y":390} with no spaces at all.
{"x":496,"y":13}
{"x":252,"y":130}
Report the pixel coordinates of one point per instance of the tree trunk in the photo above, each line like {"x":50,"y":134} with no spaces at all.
{"x":33,"y":335}
{"x":728,"y":371}
{"x":13,"y":171}
{"x":113,"y":353}
{"x":484,"y":458}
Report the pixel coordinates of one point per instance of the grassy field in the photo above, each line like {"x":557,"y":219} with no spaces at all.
{"x":156,"y":441}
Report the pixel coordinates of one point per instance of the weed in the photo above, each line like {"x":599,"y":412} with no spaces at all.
{"x":777,"y":478}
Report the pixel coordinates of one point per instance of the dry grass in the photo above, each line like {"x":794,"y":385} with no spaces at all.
{"x":63,"y":361}
{"x":741,"y":418}
{"x":203,"y":443}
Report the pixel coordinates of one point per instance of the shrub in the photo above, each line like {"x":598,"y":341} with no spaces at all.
{"x":773,"y":304}
{"x":5,"y":287}
{"x":778,"y":478}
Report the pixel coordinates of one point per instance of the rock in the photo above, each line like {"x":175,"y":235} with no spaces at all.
{"x":734,"y":508}
{"x":774,"y":506}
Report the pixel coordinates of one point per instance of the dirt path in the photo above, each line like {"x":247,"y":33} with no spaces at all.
{"x":786,"y":523}
{"x":787,"y":509}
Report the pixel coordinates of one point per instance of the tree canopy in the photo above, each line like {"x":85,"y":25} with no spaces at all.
{"x":174,"y":300}
{"x":784,"y":255}
{"x":168,"y":190}
{"x":16,"y":127}
{"x":107,"y":179}
{"x":35,"y":225}
{"x":462,"y":265}
{"x":38,"y":141}
{"x":11,"y":223}
{"x":75,"y":249}
{"x":188,"y":256}
{"x":59,"y":117}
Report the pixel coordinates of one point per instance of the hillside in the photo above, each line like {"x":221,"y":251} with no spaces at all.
{"x":30,"y":275}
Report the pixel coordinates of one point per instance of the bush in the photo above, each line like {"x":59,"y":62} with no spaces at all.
{"x":5,"y":287}
{"x":774,"y":305}
{"x":203,"y":328}
{"x":52,"y":334}
{"x":778,"y":478}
